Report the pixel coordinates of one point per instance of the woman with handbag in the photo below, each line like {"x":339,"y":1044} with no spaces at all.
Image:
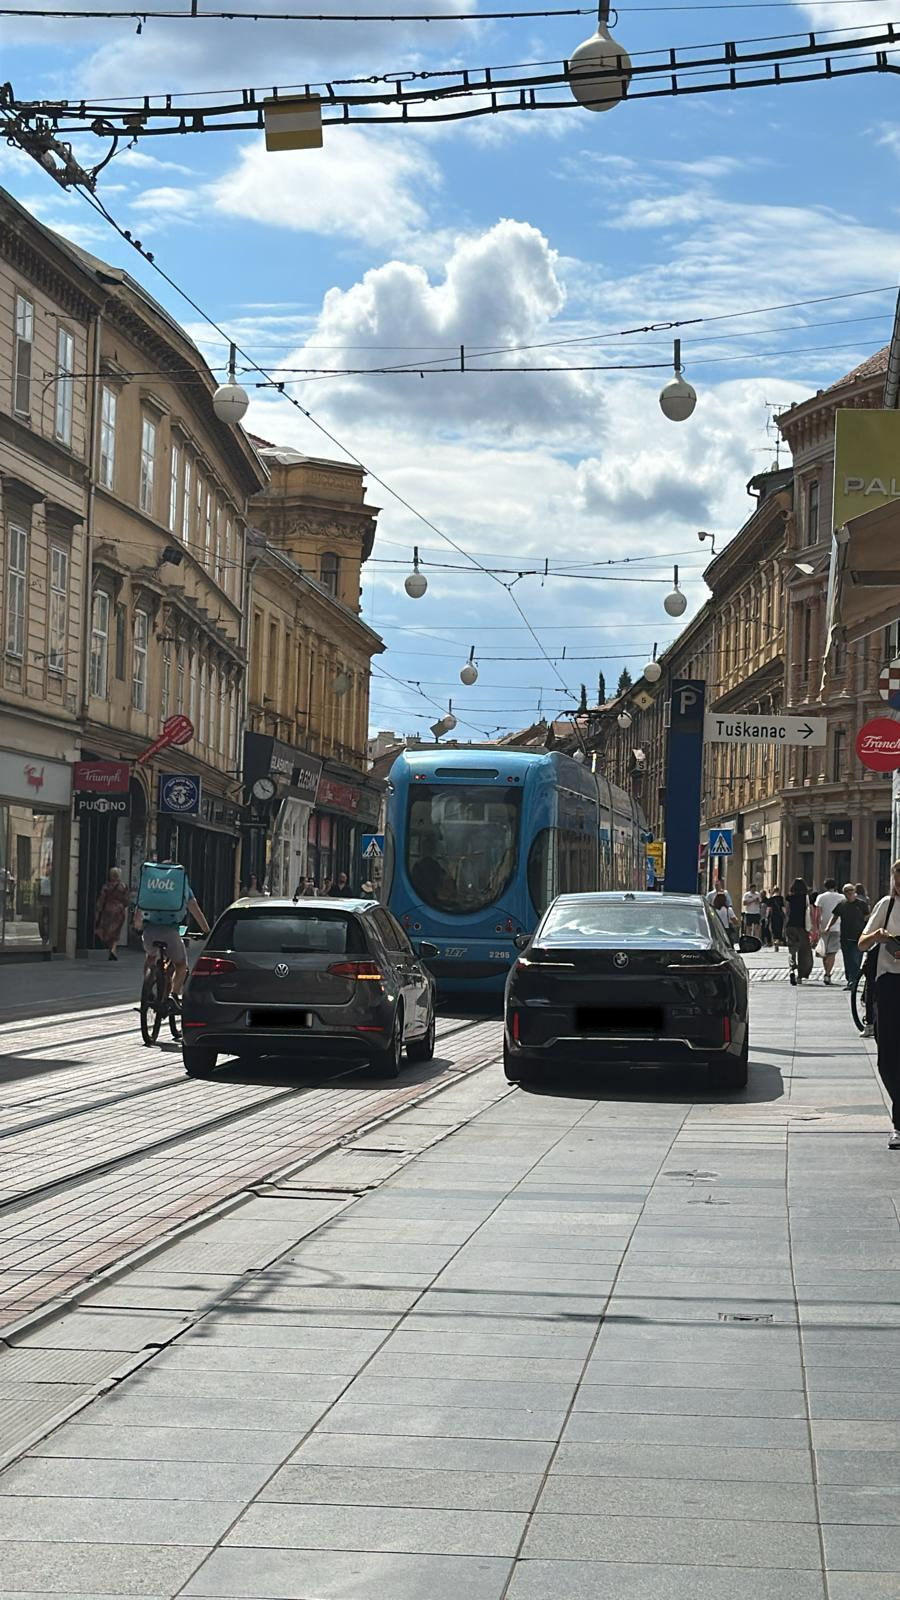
{"x":880,"y":944}
{"x":798,"y":919}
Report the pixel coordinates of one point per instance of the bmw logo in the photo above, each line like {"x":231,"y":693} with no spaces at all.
{"x":282,"y":970}
{"x":620,"y":959}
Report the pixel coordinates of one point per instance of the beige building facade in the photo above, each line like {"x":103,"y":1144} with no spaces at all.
{"x":310,"y":659}
{"x":48,"y":316}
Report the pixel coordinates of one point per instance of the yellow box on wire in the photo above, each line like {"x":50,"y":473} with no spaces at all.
{"x":293,"y":124}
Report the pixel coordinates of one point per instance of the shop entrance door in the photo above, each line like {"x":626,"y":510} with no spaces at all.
{"x":28,"y":881}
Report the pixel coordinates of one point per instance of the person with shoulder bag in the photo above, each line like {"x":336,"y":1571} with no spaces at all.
{"x":880,"y":944}
{"x":798,"y":919}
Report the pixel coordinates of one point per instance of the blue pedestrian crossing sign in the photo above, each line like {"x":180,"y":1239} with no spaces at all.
{"x":372,"y":846}
{"x":721,"y":842}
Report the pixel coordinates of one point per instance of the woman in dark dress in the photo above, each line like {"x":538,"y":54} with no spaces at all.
{"x":798,"y":924}
{"x":776,"y":916}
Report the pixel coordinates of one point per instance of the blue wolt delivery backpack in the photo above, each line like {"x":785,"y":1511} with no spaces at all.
{"x":163,"y":892}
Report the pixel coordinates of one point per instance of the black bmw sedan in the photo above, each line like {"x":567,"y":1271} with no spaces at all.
{"x":627,"y":979}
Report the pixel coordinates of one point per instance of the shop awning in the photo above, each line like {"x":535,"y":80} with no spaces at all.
{"x":864,"y":577}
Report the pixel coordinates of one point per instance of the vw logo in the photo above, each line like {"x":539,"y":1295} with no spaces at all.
{"x":282,"y":970}
{"x":620,"y":959}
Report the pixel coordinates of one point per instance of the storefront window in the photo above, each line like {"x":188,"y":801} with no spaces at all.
{"x":28,"y":880}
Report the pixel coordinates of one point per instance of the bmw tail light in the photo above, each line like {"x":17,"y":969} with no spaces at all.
{"x":212,"y":967}
{"x":726,"y":1029}
{"x":362,"y":971}
{"x":515,"y":1027}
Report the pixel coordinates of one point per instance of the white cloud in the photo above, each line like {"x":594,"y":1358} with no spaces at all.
{"x":371,"y":188}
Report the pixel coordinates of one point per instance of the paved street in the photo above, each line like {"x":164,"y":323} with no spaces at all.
{"x":516,"y":1345}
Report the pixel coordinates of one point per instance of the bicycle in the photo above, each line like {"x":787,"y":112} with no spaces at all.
{"x":157,"y":1000}
{"x":862,"y":1003}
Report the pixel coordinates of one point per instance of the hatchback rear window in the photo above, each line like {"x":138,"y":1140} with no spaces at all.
{"x":585,"y":921}
{"x":289,"y":930}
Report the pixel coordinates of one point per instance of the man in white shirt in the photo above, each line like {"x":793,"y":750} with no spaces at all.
{"x":751,"y":905}
{"x":823,"y":911}
{"x":719,"y":888}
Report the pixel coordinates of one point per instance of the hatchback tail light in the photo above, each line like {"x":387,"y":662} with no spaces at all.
{"x":362,"y":971}
{"x":212,"y":966}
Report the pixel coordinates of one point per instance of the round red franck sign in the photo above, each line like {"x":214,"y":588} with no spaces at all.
{"x":878,"y":744}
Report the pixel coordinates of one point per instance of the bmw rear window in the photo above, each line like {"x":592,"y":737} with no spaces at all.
{"x":585,"y":920}
{"x":288,"y":930}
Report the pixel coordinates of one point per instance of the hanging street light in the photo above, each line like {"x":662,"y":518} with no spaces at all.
{"x":653,"y":670}
{"x":624,"y":719}
{"x":469,"y":673}
{"x":599,"y":71}
{"x":677,"y":398}
{"x":675,"y":603}
{"x":230,"y":401}
{"x":416,"y":583}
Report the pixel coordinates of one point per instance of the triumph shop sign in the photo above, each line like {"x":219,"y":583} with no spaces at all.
{"x":101,"y":788}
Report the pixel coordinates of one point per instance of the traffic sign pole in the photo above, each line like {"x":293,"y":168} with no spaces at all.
{"x":683,"y":785}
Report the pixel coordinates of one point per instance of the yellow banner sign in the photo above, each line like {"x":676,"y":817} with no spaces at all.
{"x":656,"y":850}
{"x":866,"y":462}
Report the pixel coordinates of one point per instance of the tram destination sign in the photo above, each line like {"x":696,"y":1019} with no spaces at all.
{"x":756,"y":728}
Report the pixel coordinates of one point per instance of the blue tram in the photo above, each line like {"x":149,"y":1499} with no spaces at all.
{"x":479,"y":841}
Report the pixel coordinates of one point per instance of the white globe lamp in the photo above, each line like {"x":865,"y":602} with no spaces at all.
{"x":624,"y":719}
{"x":675,"y":603}
{"x":653,"y":672}
{"x":677,"y":398}
{"x":599,"y":71}
{"x":230,"y":401}
{"x":416,"y":583}
{"x":469,"y":673}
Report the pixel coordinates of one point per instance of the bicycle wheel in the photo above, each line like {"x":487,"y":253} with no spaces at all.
{"x":153,"y":1004}
{"x":175,"y":1018}
{"x":859,"y":1001}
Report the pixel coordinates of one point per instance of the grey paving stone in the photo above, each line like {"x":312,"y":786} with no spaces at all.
{"x":697,"y":1542}
{"x":67,"y":1520}
{"x":444,"y":1421}
{"x":348,"y":1575}
{"x":281,"y":1362}
{"x":861,"y":1549}
{"x":120,"y":1443}
{"x":694,"y":1374}
{"x":165,"y":1379}
{"x":291,"y":1334}
{"x":442,"y":1454}
{"x":860,"y":1504}
{"x":132,"y":1408}
{"x":841,"y":1405}
{"x":371,"y":1486}
{"x":868,"y":1435}
{"x":740,"y":1432}
{"x":691,"y":1401}
{"x":460,"y":1393}
{"x":421,"y":1336}
{"x":679,"y":1498}
{"x":410,"y":1531}
{"x":861,"y":1586}
{"x":106,"y":1330}
{"x":609,"y":1580}
{"x":86,"y":1569}
{"x":134,"y":1480}
{"x":391,"y":1362}
{"x":689,"y":1461}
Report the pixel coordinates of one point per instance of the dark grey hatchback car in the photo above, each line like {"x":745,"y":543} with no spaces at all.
{"x":308,"y":979}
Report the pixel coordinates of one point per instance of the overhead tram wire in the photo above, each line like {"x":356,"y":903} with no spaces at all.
{"x":152,"y":14}
{"x":97,"y":205}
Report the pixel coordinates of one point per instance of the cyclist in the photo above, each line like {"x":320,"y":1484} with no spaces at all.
{"x":168,"y":901}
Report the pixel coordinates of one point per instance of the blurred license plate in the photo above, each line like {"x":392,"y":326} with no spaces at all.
{"x":285,"y":1018}
{"x":619,"y":1019}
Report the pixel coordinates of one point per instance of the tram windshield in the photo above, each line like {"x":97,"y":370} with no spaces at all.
{"x":462,"y":844}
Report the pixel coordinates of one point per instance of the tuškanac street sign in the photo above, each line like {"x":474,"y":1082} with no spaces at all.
{"x":757,"y":728}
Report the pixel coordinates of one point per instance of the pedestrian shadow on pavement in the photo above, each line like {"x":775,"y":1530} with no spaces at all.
{"x":654,"y":1084}
{"x":13,"y":1068}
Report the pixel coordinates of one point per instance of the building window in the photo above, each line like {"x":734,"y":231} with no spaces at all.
{"x":892,"y":641}
{"x":65,"y":366}
{"x":201,"y":731}
{"x":99,"y":644}
{"x":838,"y":755}
{"x":812,"y":512}
{"x":16,"y":576}
{"x":229,"y":556}
{"x":148,"y":463}
{"x":839,"y":658}
{"x":806,"y":663}
{"x":198,"y":521}
{"x":179,"y":678}
{"x":166,"y":678}
{"x":804,"y":764}
{"x":23,"y":356}
{"x":121,"y":635}
{"x":329,"y":571}
{"x":174,"y":472}
{"x":109,"y":402}
{"x":59,"y":609}
{"x":186,"y":504}
{"x":139,"y":660}
{"x":223,"y":707}
{"x":207,"y":529}
{"x":220,"y":552}
{"x":192,"y":687}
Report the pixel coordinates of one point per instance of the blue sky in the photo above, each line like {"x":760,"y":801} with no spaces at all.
{"x":397,"y":244}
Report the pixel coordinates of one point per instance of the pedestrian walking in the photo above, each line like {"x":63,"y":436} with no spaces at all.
{"x":751,"y":905}
{"x":863,"y":898}
{"x":112,"y":912}
{"x":253,"y":890}
{"x":798,"y":923}
{"x":882,"y":933}
{"x":828,"y":943}
{"x":339,"y":887}
{"x":849,"y":917}
{"x":776,"y":917}
{"x":725,"y":914}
